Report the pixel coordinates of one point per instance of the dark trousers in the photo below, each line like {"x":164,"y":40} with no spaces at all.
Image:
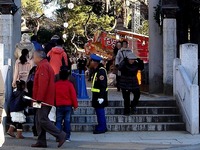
{"x":101,"y":119}
{"x":34,"y":130}
{"x":43,"y":125}
{"x":63,"y":113}
{"x":126,"y":96}
{"x":117,"y":82}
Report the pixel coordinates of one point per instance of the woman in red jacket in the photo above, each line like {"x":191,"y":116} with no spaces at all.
{"x":57,"y":56}
{"x":65,"y":100}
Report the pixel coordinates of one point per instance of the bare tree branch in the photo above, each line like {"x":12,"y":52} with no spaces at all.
{"x":72,"y":40}
{"x":85,"y":27}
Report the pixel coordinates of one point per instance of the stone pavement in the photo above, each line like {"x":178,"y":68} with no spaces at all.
{"x":116,"y":141}
{"x":114,"y":95}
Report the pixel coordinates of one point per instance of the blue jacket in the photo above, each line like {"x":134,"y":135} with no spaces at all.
{"x":38,"y":46}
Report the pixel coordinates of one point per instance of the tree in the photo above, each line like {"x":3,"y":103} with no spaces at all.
{"x":83,"y":22}
{"x":32,"y":8}
{"x":32,"y":11}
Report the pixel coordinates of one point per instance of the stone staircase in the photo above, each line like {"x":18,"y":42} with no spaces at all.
{"x":158,"y":115}
{"x":154,"y":114}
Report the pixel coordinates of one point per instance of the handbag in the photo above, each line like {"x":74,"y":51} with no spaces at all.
{"x":52,"y":114}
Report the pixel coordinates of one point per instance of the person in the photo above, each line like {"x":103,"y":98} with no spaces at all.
{"x":117,"y":48}
{"x":82,"y":62}
{"x":17,"y":106}
{"x":51,"y":43}
{"x":44,"y":91}
{"x":57,"y":56}
{"x":37,"y":45}
{"x":29,"y":85}
{"x":25,"y":43}
{"x":71,"y":78}
{"x":122,"y":53}
{"x":91,"y":71}
{"x":74,"y":63}
{"x":66,"y":100}
{"x":22,"y":67}
{"x":2,"y":99}
{"x":129,"y":81}
{"x":99,"y":93}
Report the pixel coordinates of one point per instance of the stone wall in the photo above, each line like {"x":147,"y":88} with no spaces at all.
{"x":186,"y":89}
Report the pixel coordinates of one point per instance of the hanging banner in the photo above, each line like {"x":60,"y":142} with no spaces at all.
{"x":103,"y":44}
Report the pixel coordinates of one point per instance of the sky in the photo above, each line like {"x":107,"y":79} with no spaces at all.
{"x":50,"y":8}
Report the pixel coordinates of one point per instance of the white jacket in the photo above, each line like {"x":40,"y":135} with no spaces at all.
{"x":122,"y":53}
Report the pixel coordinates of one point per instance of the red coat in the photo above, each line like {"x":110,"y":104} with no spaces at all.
{"x":66,"y":94}
{"x":44,"y":85}
{"x":56,"y":54}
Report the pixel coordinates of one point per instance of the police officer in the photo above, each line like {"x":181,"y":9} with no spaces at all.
{"x":99,"y":93}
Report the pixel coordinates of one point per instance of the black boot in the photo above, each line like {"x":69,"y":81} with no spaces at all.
{"x":126,"y":112}
{"x":133,"y":110}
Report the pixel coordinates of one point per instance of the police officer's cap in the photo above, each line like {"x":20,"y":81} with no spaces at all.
{"x":95,"y":58}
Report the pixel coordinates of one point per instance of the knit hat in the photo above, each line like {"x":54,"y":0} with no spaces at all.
{"x":25,"y":37}
{"x":55,"y":37}
{"x":131,"y":56}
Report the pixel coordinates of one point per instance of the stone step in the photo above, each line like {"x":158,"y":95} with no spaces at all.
{"x":120,"y":103}
{"x":177,"y":126}
{"x":117,"y":127}
{"x":120,"y":110}
{"x":138,"y":118}
{"x":127,"y":119}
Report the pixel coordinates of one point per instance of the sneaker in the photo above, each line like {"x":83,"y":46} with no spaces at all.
{"x":68,"y":140}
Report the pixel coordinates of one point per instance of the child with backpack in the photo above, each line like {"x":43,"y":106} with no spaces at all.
{"x":17,"y":106}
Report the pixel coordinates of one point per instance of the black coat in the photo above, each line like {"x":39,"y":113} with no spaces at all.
{"x":101,"y":82}
{"x":128,"y":79}
{"x":82,"y":64}
{"x":17,"y":102}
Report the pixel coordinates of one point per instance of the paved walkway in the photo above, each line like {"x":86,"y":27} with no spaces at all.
{"x":116,"y":141}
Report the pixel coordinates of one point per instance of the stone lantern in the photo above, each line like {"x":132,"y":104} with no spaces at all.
{"x":7,"y":7}
{"x":169,"y":8}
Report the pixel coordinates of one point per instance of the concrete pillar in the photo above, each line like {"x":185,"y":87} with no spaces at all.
{"x":189,"y":60}
{"x":16,"y":26}
{"x":169,"y":53}
{"x":6,"y":36}
{"x":155,"y":52}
